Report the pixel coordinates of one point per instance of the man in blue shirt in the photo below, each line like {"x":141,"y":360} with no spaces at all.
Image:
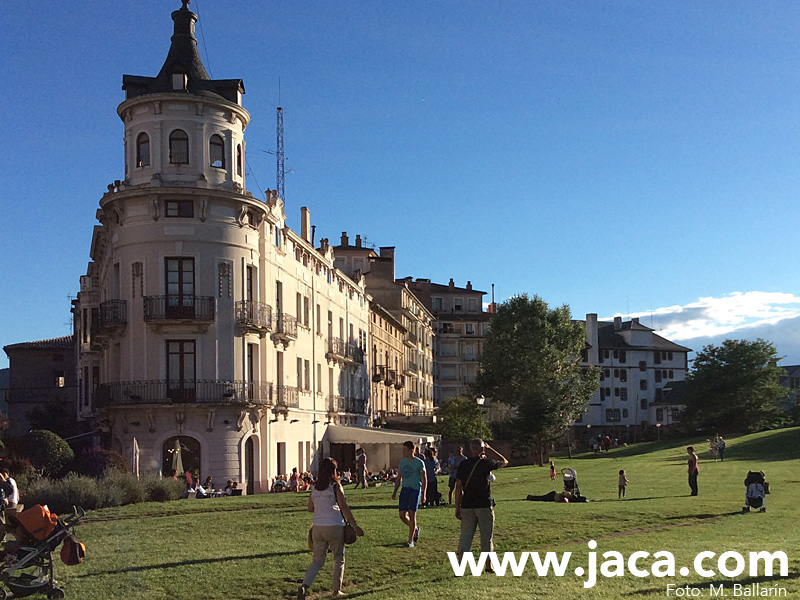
{"x":414,"y":482}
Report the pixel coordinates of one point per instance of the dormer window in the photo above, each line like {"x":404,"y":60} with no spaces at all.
{"x":142,"y":150}
{"x":178,"y":148}
{"x":179,"y":81}
{"x":216,"y":150}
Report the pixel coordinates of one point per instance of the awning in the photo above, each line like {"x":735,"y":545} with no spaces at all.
{"x":340,"y":434}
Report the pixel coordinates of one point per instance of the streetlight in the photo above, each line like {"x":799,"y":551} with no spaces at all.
{"x":658,"y":430}
{"x":480,"y":401}
{"x":589,"y":434}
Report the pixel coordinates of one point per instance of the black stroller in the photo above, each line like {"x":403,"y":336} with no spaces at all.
{"x":28,"y":560}
{"x":756,"y":486}
{"x":571,"y":481}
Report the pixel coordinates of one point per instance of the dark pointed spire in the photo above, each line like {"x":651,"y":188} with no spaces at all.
{"x":183,"y":57}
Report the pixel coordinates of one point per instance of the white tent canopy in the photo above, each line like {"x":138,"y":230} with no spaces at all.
{"x":382,"y":446}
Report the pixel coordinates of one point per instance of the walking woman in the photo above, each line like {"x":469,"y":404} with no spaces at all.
{"x":330,"y":509}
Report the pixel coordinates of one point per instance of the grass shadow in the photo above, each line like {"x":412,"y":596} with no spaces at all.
{"x":187,"y":563}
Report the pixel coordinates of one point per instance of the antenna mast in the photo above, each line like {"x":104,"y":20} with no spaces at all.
{"x":280,"y":156}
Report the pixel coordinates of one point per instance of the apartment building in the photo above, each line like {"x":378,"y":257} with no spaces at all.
{"x":218,"y":338}
{"x":640,"y":377}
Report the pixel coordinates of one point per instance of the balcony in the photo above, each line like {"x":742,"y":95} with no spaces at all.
{"x":337,"y":404}
{"x":337,"y":350}
{"x":413,"y":397}
{"x":113,"y":317}
{"x":411,"y":367}
{"x":179,"y":309}
{"x":410,"y":339}
{"x":391,"y":377}
{"x":355,"y":354}
{"x":285,"y":329}
{"x":287,"y":397}
{"x":253,"y":316}
{"x":379,"y":373}
{"x":172,"y":391}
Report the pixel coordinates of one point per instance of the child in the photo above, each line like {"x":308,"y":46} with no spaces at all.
{"x":623,"y":481}
{"x":552,"y":471}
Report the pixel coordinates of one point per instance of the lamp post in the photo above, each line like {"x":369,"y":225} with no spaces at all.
{"x":480,"y":400}
{"x":589,"y":434}
{"x":658,"y":430}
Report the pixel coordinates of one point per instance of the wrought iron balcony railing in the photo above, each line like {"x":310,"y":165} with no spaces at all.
{"x":113,"y":315}
{"x":285,"y":326}
{"x":287,"y":396}
{"x":177,"y":391}
{"x":253,"y":315}
{"x":336,"y":347}
{"x":344,"y":404}
{"x":198,"y":309}
{"x":355,"y":354}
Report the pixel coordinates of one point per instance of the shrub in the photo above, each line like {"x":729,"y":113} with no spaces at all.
{"x":48,"y":452}
{"x":162,"y":490}
{"x":95,"y":462}
{"x":60,"y":496}
{"x":128,"y":487}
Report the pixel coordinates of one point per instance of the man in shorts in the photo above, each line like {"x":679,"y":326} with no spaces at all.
{"x":414,"y":482}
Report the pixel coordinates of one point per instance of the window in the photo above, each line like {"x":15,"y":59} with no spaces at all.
{"x":669,"y":355}
{"x":616,"y":392}
{"x":216,"y":151}
{"x":616,"y":373}
{"x":622,"y":356}
{"x":659,"y":414}
{"x":307,"y":375}
{"x":279,"y":239}
{"x":623,"y":374}
{"x":306,"y":311}
{"x":469,"y":328}
{"x":612,"y":415}
{"x":299,"y":373}
{"x":142,"y":150}
{"x":180,"y":208}
{"x":671,"y":374}
{"x":438,"y":304}
{"x":319,"y":320}
{"x":239,"y":160}
{"x":623,"y":394}
{"x":58,"y":378}
{"x":625,"y":413}
{"x":179,"y":287}
{"x":607,"y":372}
{"x":458,"y":304}
{"x":178,"y":148}
{"x":643,"y":384}
{"x":446,"y":328}
{"x":181,"y":370}
{"x":179,"y":81}
{"x":658,"y":376}
{"x":608,"y":392}
{"x":472,"y":305}
{"x":657,"y":357}
{"x":642,"y":366}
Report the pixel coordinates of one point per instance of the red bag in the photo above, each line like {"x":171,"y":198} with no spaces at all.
{"x":72,"y":552}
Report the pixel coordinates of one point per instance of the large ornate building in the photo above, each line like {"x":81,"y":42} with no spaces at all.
{"x":221,"y":340}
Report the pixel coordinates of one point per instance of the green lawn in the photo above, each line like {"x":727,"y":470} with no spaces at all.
{"x":254,"y":547}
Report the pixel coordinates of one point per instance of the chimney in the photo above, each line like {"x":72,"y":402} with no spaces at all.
{"x":452,"y":284}
{"x":387,"y":252}
{"x":591,"y":337}
{"x":635,"y":320}
{"x":617,"y":323}
{"x":305,"y":224}
{"x":358,"y":241}
{"x":345,"y":240}
{"x":469,"y":285}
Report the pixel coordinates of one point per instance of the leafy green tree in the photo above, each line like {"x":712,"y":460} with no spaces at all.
{"x":462,"y":418}
{"x":47,"y":452}
{"x":734,"y":387}
{"x":532,"y":362}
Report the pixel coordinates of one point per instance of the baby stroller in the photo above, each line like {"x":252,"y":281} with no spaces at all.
{"x":756,"y":486}
{"x":571,"y":481}
{"x":27,"y":567}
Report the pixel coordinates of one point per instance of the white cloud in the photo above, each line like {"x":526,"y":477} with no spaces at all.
{"x":773,"y":316}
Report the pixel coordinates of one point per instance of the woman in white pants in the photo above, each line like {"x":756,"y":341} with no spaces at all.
{"x":330,"y":509}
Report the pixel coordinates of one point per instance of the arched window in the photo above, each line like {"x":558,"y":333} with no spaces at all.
{"x":178,"y":148}
{"x":239,"y":160}
{"x":216,"y":150}
{"x":142,"y":150}
{"x":181,"y":454}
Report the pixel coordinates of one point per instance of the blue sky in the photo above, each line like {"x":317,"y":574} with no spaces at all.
{"x":623,"y":158}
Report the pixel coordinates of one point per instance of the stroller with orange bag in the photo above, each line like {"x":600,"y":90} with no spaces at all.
{"x":27,"y":566}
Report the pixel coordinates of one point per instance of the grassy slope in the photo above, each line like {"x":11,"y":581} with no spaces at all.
{"x":248,"y":548}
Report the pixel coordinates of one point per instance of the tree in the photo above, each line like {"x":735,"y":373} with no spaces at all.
{"x":461,"y":418}
{"x":48,"y":452}
{"x":734,"y":387}
{"x":532,"y":361}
